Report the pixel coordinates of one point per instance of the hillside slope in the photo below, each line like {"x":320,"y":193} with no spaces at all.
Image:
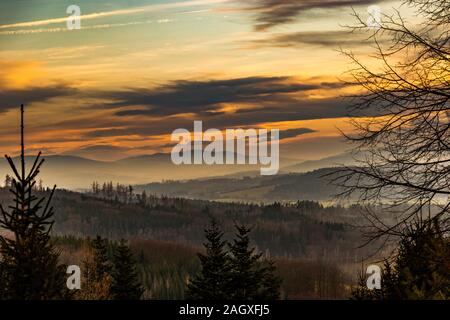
{"x":313,"y":185}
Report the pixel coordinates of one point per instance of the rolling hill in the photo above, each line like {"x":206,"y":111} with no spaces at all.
{"x":77,"y":173}
{"x":283,"y":187}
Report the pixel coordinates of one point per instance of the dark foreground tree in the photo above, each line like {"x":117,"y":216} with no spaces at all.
{"x":125,"y":280}
{"x":29,"y":262}
{"x":213,"y":282}
{"x":403,"y":123}
{"x":233,"y":271}
{"x":97,"y":269}
{"x":402,"y":139}
{"x":252,"y":278}
{"x":420,"y":270}
{"x":101,"y":262}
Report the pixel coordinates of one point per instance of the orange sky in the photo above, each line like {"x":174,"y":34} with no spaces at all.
{"x":137,"y":70}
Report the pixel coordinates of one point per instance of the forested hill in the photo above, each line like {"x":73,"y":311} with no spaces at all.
{"x":314,"y":185}
{"x":302,"y":229}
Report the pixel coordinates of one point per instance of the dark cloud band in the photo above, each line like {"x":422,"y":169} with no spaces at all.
{"x":270,"y":13}
{"x":12,"y":98}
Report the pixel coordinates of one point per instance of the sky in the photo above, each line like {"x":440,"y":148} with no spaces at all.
{"x":139,"y":69}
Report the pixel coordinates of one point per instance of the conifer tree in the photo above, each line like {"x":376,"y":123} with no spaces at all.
{"x":93,"y":286}
{"x":269,"y":287}
{"x":251,"y":277}
{"x":213,"y":282}
{"x":126,"y":284}
{"x":29,"y":262}
{"x":97,"y":272}
{"x":8,"y":181}
{"x":101,"y":262}
{"x":420,"y":269}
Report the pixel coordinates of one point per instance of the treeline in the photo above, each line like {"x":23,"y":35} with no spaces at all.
{"x":419,"y":270}
{"x":38,"y":186}
{"x":276,"y":229}
{"x":283,"y":230}
{"x":109,"y":271}
{"x":166,"y":268}
{"x":117,"y":192}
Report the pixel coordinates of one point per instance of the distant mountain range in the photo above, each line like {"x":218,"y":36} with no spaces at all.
{"x":72,"y":172}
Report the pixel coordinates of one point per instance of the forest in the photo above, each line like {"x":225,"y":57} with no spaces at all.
{"x":166,"y":233}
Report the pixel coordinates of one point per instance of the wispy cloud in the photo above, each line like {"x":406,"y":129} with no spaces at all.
{"x":270,"y":13}
{"x":90,"y":16}
{"x":295,"y":132}
{"x":195,"y":11}
{"x":11,"y":98}
{"x":251,"y":100}
{"x":205,"y":97}
{"x":328,"y":38}
{"x":63,"y":29}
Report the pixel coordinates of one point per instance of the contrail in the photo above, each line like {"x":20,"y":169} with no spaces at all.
{"x":149,"y":8}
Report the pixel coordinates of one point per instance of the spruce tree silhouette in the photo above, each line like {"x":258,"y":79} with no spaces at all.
{"x":234,"y":274}
{"x":29,"y":262}
{"x":420,"y":270}
{"x":102,"y":265}
{"x":97,"y":272}
{"x":252,"y":277}
{"x":126,"y":284}
{"x":213,"y":282}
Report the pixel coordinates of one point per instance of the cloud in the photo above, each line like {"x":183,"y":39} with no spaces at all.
{"x":228,"y":103}
{"x":297,"y":109}
{"x":46,"y":22}
{"x":333,"y":39}
{"x":207,"y":97}
{"x":107,"y":133}
{"x":270,"y":13}
{"x":142,"y":114}
{"x":16,"y":74}
{"x":12,"y":98}
{"x":291,"y":133}
{"x":90,"y":16}
{"x":64,"y":29}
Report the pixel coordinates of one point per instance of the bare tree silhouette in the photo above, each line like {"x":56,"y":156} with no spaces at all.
{"x":402,"y":124}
